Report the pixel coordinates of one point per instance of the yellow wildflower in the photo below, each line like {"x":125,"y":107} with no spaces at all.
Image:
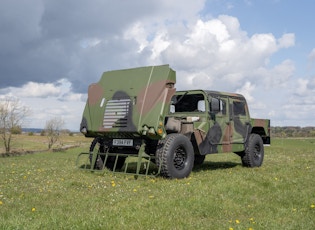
{"x":312,"y":205}
{"x":33,"y":209}
{"x":1,"y":203}
{"x":237,"y":221}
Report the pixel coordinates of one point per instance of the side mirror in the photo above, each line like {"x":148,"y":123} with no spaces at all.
{"x":215,"y":105}
{"x":201,"y":106}
{"x":172,"y":109}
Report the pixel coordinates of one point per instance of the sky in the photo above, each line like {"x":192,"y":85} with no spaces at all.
{"x":52,"y":50}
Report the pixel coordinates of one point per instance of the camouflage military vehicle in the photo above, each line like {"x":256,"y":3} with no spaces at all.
{"x":137,"y":112}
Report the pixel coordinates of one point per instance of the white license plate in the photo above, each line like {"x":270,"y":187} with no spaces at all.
{"x":123,"y":142}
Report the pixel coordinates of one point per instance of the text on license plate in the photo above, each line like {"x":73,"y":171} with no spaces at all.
{"x":123,"y":142}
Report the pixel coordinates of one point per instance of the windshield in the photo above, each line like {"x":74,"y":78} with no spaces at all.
{"x":187,"y":102}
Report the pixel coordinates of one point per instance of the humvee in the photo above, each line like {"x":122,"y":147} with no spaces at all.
{"x":138,"y":112}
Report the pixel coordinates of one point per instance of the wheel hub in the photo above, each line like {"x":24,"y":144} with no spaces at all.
{"x":180,"y":158}
{"x":257,"y":152}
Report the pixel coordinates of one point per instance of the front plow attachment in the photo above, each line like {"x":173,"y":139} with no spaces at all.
{"x":140,"y":164}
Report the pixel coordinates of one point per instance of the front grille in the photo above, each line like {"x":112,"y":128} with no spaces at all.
{"x":116,"y":113}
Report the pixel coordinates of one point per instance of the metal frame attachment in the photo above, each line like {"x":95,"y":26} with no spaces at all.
{"x":140,"y":164}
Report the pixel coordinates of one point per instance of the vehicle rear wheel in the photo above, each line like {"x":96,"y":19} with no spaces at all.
{"x":175,"y":156}
{"x":254,"y":152}
{"x":98,"y":146}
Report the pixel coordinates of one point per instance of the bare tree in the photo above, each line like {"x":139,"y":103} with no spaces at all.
{"x":12,"y":114}
{"x":53,"y":130}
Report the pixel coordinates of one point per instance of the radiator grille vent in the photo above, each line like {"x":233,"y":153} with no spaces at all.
{"x":116,"y":113}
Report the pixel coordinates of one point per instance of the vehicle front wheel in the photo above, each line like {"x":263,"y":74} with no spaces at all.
{"x":254,"y":153}
{"x":175,"y":156}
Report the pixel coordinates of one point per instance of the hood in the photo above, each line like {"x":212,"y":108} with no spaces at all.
{"x":130,"y":101}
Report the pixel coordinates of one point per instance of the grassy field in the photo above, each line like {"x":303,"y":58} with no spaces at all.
{"x":26,"y":143}
{"x":46,"y":191}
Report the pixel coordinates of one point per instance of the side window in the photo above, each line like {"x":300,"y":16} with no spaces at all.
{"x":239,"y":108}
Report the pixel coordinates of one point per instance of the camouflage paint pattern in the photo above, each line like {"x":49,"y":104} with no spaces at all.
{"x":226,"y":130}
{"x":129,"y":103}
{"x":135,"y":103}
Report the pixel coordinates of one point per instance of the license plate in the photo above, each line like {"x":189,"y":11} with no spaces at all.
{"x":123,"y":142}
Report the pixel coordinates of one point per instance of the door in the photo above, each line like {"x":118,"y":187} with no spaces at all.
{"x":239,"y":120}
{"x":215,"y":137}
{"x":221,"y":129}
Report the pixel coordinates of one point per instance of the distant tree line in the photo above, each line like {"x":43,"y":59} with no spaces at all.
{"x":292,"y":131}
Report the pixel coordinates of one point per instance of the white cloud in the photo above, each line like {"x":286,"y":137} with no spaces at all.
{"x":159,"y":44}
{"x":49,"y":100}
{"x":262,"y":45}
{"x":217,"y":54}
{"x":33,"y":89}
{"x":43,"y":90}
{"x":305,"y":87}
{"x":219,"y":48}
{"x":298,"y":111}
{"x":301,"y":89}
{"x":311,"y":56}
{"x":287,"y":40}
{"x":139,"y":34}
{"x":246,"y":91}
{"x":278,"y":76}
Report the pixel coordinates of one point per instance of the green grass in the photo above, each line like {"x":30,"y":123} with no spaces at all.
{"x":46,"y":191}
{"x":23,"y":142}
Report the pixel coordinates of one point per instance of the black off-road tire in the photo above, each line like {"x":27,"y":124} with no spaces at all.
{"x":110,"y":163}
{"x":175,"y":156}
{"x":254,"y":153}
